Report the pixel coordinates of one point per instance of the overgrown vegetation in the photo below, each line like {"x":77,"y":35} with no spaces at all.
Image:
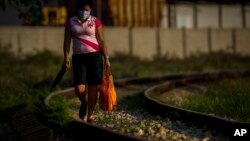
{"x":30,"y":11}
{"x":131,"y":66}
{"x":27,"y":80}
{"x":228,"y":98}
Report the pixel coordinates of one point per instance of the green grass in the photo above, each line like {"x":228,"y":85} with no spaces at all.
{"x":57,"y":112}
{"x":26,"y":80}
{"x":131,"y":66}
{"x":227,"y":98}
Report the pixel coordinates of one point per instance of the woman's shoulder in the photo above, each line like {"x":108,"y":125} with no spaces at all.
{"x":73,"y":18}
{"x":96,"y":20}
{"x":70,"y":21}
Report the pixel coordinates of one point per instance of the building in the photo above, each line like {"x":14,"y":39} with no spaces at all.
{"x":179,"y":13}
{"x":149,"y":13}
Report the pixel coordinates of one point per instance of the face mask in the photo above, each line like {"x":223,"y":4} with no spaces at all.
{"x":82,"y":14}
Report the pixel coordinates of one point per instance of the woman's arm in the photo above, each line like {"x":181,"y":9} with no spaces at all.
{"x":66,"y":45}
{"x":102,"y":44}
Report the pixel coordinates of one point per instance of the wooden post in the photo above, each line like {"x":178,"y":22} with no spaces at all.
{"x":130,"y":40}
{"x":158,"y":43}
{"x":184,"y":42}
{"x":234,"y":48}
{"x":209,"y":39}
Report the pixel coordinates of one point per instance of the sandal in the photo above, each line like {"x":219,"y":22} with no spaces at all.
{"x":90,"y":119}
{"x":83,"y":110}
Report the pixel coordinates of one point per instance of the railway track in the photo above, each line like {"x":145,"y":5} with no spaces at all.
{"x":185,"y":124}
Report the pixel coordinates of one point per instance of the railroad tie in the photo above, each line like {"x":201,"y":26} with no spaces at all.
{"x":29,"y":128}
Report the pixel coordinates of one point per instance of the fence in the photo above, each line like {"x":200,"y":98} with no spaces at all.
{"x":143,"y":42}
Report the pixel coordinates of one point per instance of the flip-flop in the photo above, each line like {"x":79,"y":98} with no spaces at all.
{"x":83,"y":110}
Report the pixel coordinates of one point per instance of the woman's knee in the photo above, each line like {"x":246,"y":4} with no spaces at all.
{"x":80,"y":89}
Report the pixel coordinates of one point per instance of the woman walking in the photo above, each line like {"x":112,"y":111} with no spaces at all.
{"x":89,"y":49}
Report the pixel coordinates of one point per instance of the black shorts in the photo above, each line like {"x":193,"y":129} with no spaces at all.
{"x":87,"y":68}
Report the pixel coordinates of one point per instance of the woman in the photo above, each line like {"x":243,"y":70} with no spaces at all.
{"x":89,"y":48}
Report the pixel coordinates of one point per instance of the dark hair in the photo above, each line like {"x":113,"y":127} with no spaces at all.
{"x":82,"y":3}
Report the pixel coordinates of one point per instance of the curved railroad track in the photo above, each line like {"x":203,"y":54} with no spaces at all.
{"x":185,"y":124}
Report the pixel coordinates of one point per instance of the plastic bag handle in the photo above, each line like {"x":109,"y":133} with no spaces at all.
{"x":107,"y":71}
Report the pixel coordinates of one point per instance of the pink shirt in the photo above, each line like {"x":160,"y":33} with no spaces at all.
{"x":84,"y":34}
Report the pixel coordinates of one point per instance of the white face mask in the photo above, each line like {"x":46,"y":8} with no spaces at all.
{"x":82,"y":14}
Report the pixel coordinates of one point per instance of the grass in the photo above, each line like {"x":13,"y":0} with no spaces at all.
{"x":159,"y":66}
{"x":26,"y":80}
{"x":228,"y":98}
{"x":58,"y":111}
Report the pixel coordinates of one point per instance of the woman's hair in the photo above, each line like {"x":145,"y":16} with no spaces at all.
{"x":82,"y":3}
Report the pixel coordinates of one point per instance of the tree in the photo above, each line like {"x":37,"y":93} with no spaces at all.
{"x":30,"y":11}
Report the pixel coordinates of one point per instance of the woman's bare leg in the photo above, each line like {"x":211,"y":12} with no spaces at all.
{"x":92,"y":99}
{"x":80,"y":91}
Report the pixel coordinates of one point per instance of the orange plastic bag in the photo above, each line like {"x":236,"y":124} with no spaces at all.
{"x":107,"y":97}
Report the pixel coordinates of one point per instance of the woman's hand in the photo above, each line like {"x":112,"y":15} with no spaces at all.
{"x":107,"y":63}
{"x":67,"y":64}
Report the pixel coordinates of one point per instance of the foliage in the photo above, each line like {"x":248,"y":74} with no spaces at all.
{"x":27,"y":81}
{"x":30,"y":11}
{"x":57,"y":112}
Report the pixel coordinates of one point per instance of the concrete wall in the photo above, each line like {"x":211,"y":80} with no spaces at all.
{"x":197,"y":41}
{"x":10,"y":38}
{"x":171,"y":43}
{"x":117,"y":39}
{"x":222,"y":40}
{"x":242,"y":41}
{"x":31,"y":39}
{"x":143,"y":42}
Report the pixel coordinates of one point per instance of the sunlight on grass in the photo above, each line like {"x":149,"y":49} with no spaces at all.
{"x":227,"y":98}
